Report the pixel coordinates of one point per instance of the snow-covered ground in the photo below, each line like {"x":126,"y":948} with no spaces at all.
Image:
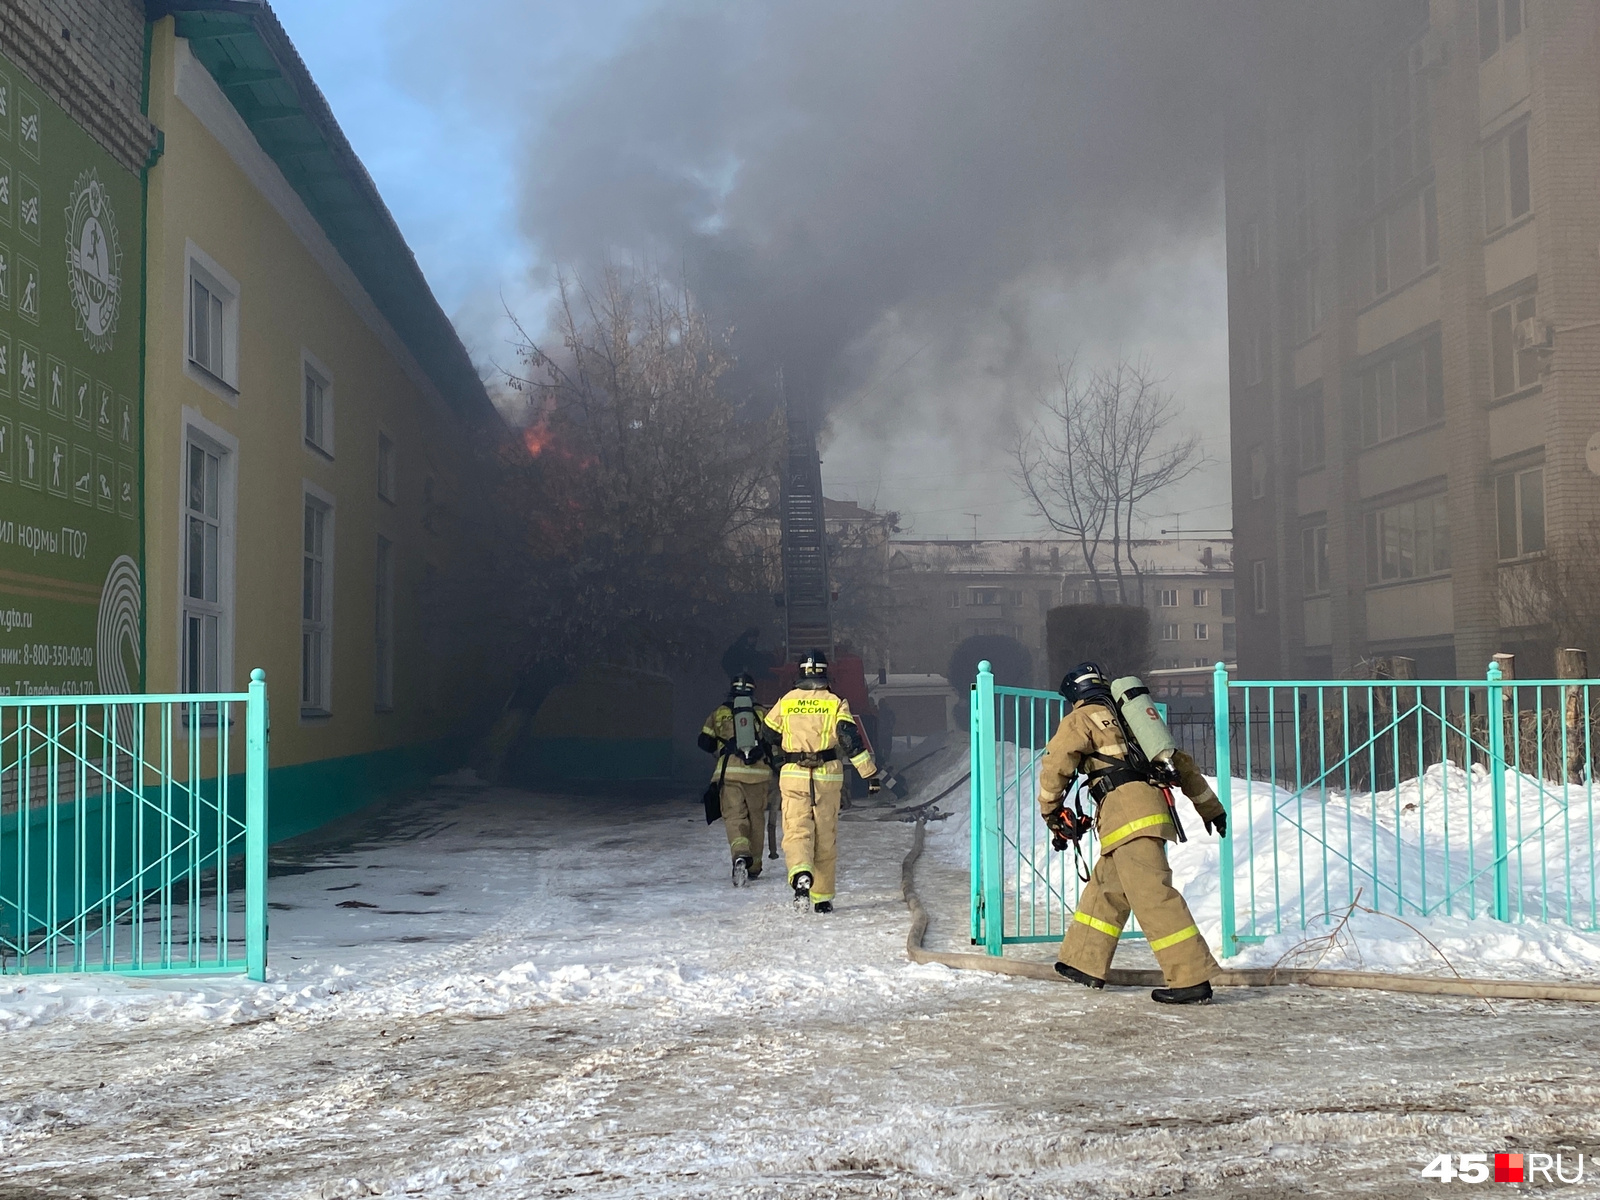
{"x":509,"y":995}
{"x":1411,"y":847}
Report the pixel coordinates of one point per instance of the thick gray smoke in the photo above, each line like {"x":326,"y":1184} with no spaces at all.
{"x":832,"y":173}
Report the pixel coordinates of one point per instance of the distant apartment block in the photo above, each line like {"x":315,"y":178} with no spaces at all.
{"x":945,"y":592}
{"x":1414,"y":320}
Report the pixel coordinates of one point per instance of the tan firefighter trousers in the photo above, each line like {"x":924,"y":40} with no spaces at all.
{"x":1135,"y":877}
{"x":811,"y":826}
{"x":744,"y":812}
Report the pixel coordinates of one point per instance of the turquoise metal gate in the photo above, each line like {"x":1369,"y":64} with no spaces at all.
{"x":1421,"y":798}
{"x":130,"y":838}
{"x":1022,"y":890}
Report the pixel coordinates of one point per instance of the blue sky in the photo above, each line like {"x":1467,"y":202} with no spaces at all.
{"x":439,"y":112}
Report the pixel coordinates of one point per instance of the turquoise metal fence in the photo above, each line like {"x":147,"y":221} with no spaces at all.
{"x":1425,"y":798}
{"x":133,"y":833}
{"x":1419,"y":798}
{"x":1022,"y":890}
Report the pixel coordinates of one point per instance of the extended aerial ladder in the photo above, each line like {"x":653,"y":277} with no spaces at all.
{"x":807,"y":595}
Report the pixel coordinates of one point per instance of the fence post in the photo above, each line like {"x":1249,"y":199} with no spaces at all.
{"x":1219,"y":702}
{"x":975,"y":815}
{"x":1497,"y":791}
{"x":255,"y":828}
{"x":1574,"y":664}
{"x":983,"y":770}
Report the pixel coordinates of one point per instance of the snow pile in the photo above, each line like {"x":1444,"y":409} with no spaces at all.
{"x":1422,"y":852}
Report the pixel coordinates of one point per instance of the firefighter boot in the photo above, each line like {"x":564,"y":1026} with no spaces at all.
{"x":1077,"y":976}
{"x":802,"y":887}
{"x":741,"y":870}
{"x":1200,"y":993}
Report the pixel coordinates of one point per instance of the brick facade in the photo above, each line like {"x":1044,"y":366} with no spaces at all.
{"x":1309,"y":104}
{"x":87,"y":56}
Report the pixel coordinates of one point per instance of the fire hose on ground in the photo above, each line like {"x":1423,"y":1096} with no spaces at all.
{"x":1482,"y":989}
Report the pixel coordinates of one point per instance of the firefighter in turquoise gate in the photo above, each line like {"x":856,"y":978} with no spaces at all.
{"x":736,"y":732}
{"x":1116,"y":739}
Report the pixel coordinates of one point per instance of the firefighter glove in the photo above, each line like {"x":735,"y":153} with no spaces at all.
{"x":1217,"y":824}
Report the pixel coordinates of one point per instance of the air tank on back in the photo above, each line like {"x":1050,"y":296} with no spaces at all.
{"x":1144,"y":722}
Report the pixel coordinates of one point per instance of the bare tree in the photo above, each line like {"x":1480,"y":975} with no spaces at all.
{"x":1056,"y":467}
{"x":1095,"y":453}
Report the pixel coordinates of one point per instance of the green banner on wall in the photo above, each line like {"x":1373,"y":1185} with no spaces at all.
{"x":70,"y":405}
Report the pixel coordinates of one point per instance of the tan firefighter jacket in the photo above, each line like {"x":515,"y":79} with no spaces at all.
{"x":816,"y":726}
{"x":1135,"y":809}
{"x":718,"y":730}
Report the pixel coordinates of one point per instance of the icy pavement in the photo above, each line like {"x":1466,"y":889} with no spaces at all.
{"x":506,"y":995}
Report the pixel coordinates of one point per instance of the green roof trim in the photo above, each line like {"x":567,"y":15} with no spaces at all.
{"x":247,"y":52}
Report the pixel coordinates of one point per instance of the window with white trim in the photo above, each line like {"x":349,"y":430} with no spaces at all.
{"x":316,"y":390}
{"x":1167,"y":597}
{"x":204,"y":618}
{"x":212,"y":337}
{"x":1401,"y":394}
{"x":316,"y":632}
{"x":1519,"y":512}
{"x":1258,"y":473}
{"x":1202,"y":633}
{"x":1499,"y":21}
{"x":1169,"y":632}
{"x":383,"y":627}
{"x":1507,"y":189}
{"x":1313,"y":437}
{"x":1405,"y":242}
{"x":1314,"y":559}
{"x":1409,"y":540}
{"x":1510,"y":369}
{"x":1392,"y":130}
{"x":1202,"y":598}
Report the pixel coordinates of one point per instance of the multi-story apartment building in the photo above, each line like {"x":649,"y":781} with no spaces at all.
{"x":1414,"y":325}
{"x":945,"y":592}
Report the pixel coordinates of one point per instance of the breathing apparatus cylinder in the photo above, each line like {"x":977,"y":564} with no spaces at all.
{"x":746,"y":737}
{"x":1144,"y":723}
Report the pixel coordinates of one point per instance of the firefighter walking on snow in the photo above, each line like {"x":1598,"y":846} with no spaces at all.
{"x":1135,"y":821}
{"x":817,"y":733}
{"x":742,"y":771}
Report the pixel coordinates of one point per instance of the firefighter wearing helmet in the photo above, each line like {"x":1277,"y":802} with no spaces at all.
{"x":1135,"y":820}
{"x":736,"y":733}
{"x":818,"y":734}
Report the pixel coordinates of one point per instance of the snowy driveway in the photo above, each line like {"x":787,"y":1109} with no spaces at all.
{"x":498,"y":994}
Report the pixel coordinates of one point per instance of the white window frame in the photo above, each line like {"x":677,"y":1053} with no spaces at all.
{"x":318,"y":707}
{"x":1202,"y":631}
{"x":1524,"y":364}
{"x":383,"y":625}
{"x":1314,"y":560}
{"x":1499,"y":196}
{"x":195,"y":429}
{"x":223,"y":381}
{"x":1167,"y":597}
{"x":386,"y":467}
{"x":1514,"y":481}
{"x":1169,"y":631}
{"x":1201,"y":598}
{"x":1258,"y":585}
{"x":1488,"y":47}
{"x":319,"y":441}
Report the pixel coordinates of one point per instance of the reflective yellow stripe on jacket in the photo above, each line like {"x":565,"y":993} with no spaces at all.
{"x":1123,"y":832}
